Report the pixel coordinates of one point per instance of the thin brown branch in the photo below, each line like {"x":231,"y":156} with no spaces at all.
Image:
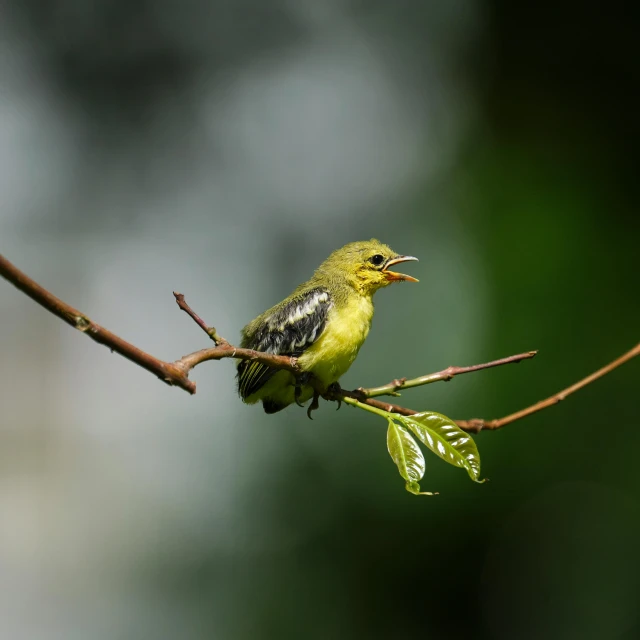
{"x":479,"y":424}
{"x":173,"y":373}
{"x":210,"y":331}
{"x":229,"y":351}
{"x":445,"y":375}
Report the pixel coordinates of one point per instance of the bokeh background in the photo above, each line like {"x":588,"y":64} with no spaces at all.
{"x":224,"y":149}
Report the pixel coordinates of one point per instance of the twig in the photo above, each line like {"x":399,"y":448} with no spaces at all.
{"x":227,"y":350}
{"x":479,"y":424}
{"x":210,"y":331}
{"x":445,"y":375}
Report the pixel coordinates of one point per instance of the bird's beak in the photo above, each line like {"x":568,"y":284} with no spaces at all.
{"x":392,"y":276}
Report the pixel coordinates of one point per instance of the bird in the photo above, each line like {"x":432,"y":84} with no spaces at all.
{"x":323,"y":324}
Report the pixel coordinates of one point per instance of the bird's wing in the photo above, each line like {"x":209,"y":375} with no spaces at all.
{"x":288,"y":329}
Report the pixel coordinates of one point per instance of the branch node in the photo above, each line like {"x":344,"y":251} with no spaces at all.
{"x":82,"y":323}
{"x":476,"y":425}
{"x":360,"y":394}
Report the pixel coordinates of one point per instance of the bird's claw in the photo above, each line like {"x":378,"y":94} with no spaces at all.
{"x":333,"y":393}
{"x":314,"y":406}
{"x":297,"y":391}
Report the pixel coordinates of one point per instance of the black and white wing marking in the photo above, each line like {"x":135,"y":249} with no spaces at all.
{"x":289,"y":330}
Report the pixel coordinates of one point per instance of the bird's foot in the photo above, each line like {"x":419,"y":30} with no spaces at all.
{"x":314,"y":406}
{"x":334,"y":392}
{"x":301,"y":380}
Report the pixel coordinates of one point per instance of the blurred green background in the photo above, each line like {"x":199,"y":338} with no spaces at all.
{"x":223,"y":150}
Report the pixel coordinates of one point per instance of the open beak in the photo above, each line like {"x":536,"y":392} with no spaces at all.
{"x":392,"y":276}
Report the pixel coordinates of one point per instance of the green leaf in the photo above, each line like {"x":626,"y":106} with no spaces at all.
{"x":447,"y":440}
{"x":405,"y":452}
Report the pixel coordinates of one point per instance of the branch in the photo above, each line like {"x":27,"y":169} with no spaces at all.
{"x":173,"y":373}
{"x":476,"y":425}
{"x":445,"y":375}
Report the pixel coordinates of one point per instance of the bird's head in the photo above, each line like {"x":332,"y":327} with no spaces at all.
{"x":366,"y":265}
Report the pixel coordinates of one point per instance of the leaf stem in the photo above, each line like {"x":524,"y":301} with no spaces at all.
{"x":360,"y":405}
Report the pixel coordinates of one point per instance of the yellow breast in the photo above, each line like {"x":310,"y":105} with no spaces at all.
{"x":347,"y":328}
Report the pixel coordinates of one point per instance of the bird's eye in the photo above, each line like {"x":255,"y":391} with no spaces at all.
{"x":377,"y":260}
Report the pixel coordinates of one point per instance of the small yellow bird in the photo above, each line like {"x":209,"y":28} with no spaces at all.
{"x":323,"y":323}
